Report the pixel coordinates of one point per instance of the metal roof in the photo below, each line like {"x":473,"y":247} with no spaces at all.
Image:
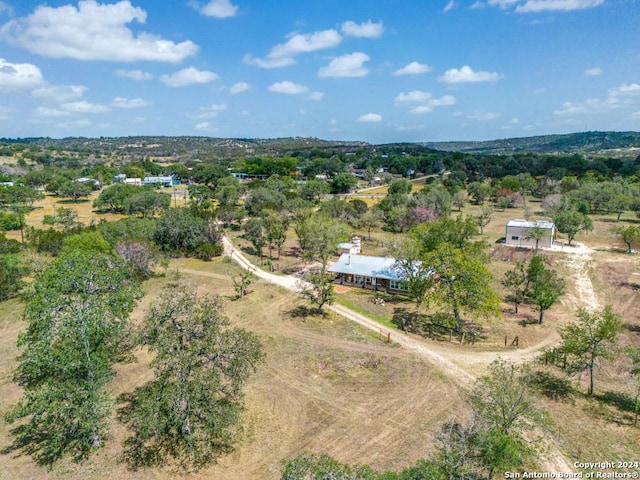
{"x":365,"y":265}
{"x":531,"y":224}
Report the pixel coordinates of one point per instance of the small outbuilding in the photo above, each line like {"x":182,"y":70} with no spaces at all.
{"x":525,"y":233}
{"x":354,"y":247}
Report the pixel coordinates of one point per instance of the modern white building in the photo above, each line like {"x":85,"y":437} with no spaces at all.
{"x":519,"y":233}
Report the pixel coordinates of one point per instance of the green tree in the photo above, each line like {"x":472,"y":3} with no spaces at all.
{"x":178,"y":230}
{"x":343,"y":183}
{"x":417,"y":274}
{"x":592,"y":338}
{"x":20,"y":200}
{"x":113,"y":197}
{"x":74,"y":190}
{"x":630,"y":235}
{"x":535,"y":233}
{"x":369,"y":220}
{"x":479,"y":192}
{"x":146,"y":203}
{"x":545,"y":286}
{"x":319,"y":238}
{"x":460,"y":199}
{"x":503,"y":399}
{"x":634,"y":356}
{"x":457,"y":231}
{"x":190,"y":413}
{"x":438,"y":198}
{"x":401,"y":186}
{"x":275,"y":232}
{"x":318,"y":289}
{"x":12,"y":270}
{"x":254,"y":231}
{"x":463,"y":284}
{"x":314,"y":190}
{"x":242,"y":281}
{"x":572,"y":222}
{"x":515,"y":281}
{"x":228,"y":191}
{"x":77,"y":330}
{"x":484,"y":217}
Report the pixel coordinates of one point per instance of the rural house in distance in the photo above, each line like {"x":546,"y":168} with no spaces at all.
{"x":518,"y":233}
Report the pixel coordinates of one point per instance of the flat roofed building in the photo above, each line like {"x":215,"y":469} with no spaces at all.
{"x":518,"y":233}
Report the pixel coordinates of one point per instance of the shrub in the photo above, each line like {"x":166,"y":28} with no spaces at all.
{"x":206,"y":251}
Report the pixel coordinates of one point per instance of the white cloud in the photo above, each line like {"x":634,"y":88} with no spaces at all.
{"x":211,"y":111}
{"x":188,"y":76}
{"x":484,"y":116}
{"x":219,"y":9}
{"x":625,"y":89}
{"x":467,"y":75}
{"x":414,"y":68}
{"x":534,"y":6}
{"x":60,"y":93}
{"x":617,"y":97}
{"x":4,"y":113}
{"x":92,"y":31}
{"x":203,"y":126}
{"x":593,"y":72}
{"x":502,"y":3}
{"x":288,"y":88}
{"x":370,"y":118}
{"x":449,"y":6}
{"x":367,"y":29}
{"x":138,"y":75}
{"x":349,"y":65}
{"x":284,"y":54}
{"x":422,"y":102}
{"x":18,"y":77}
{"x":84,"y":107}
{"x":239,"y":88}
{"x":121,"y":102}
{"x":45,"y":112}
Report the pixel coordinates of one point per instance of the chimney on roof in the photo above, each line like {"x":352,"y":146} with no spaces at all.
{"x":349,"y":260}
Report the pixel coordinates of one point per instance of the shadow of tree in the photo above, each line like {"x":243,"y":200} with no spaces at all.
{"x":303,"y":312}
{"x":528,"y":320}
{"x":552,"y":386}
{"x":438,"y":326}
{"x":622,"y":401}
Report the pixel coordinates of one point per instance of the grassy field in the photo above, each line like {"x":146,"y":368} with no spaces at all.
{"x":330,"y":387}
{"x":327,"y":386}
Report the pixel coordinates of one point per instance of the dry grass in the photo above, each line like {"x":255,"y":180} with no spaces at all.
{"x":327,"y":386}
{"x":331,"y":387}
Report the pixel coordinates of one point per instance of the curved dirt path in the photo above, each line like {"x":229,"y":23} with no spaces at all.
{"x":447,"y":361}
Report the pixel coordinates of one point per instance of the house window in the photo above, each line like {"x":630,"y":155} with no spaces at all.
{"x":398,"y":285}
{"x":515,"y":237}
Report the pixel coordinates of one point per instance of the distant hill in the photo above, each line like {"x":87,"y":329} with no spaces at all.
{"x":583,"y":143}
{"x":206,"y":148}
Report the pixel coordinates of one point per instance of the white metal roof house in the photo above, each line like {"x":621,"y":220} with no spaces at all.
{"x":378,"y":273}
{"x":165,"y":181}
{"x":517,"y":231}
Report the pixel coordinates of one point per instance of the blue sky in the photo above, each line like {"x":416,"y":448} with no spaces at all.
{"x":371,"y":70}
